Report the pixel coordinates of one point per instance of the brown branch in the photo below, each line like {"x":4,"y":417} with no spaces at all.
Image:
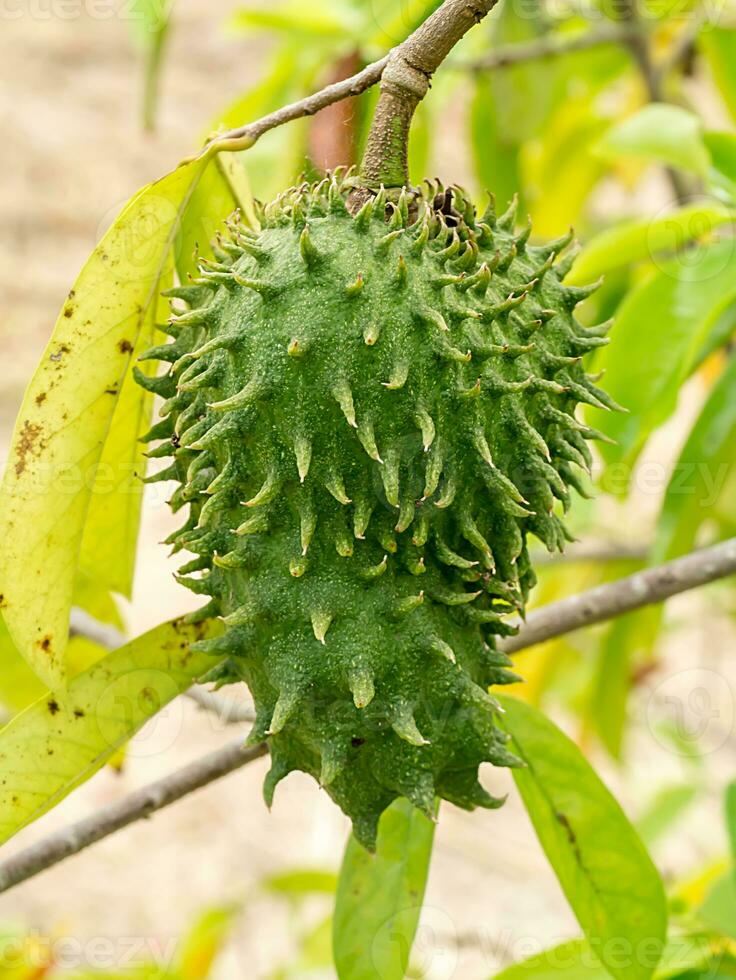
{"x":547,"y":47}
{"x":404,"y":83}
{"x":645,"y":588}
{"x":136,"y":806}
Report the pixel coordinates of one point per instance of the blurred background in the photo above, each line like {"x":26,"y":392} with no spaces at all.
{"x":615,"y":118}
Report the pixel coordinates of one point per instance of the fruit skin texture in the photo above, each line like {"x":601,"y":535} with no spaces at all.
{"x":367,"y":416}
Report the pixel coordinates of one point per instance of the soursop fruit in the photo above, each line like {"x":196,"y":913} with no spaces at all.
{"x":368,"y":414}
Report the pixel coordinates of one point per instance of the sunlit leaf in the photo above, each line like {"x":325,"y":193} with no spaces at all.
{"x":719,"y":908}
{"x":603,"y":868}
{"x":635,"y":241}
{"x":152,"y":19}
{"x":575,"y":960}
{"x":64,"y":738}
{"x":204,"y":942}
{"x":701,"y":470}
{"x":730,"y":807}
{"x":300,"y":882}
{"x":614,"y":674}
{"x":719,"y":45}
{"x":662,"y":133}
{"x":660,"y":329}
{"x":66,"y":416}
{"x":379,"y":896}
{"x":664,"y":810}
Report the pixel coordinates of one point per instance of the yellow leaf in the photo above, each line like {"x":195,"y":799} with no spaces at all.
{"x":67,"y":414}
{"x":60,"y":741}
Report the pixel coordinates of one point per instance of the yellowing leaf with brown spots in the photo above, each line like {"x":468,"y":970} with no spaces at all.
{"x":67,"y":415}
{"x":64,"y":738}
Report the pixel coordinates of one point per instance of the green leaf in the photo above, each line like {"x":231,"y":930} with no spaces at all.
{"x":719,"y":45}
{"x":379,"y":896}
{"x":64,"y":738}
{"x":730,"y":807}
{"x":574,"y":960}
{"x":664,"y":810}
{"x":660,"y":329}
{"x":722,"y":175}
{"x":718,"y":911}
{"x":701,"y":471}
{"x":109,"y":542}
{"x":496,"y":157}
{"x":204,"y":942}
{"x":300,"y":882}
{"x":636,"y":241}
{"x":67,"y":414}
{"x":662,"y":133}
{"x":613,"y":676}
{"x":152,"y":19}
{"x":602,"y":865}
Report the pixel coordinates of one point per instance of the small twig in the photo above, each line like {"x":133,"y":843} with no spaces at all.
{"x":226,"y":709}
{"x":243,"y":137}
{"x":82,"y":624}
{"x":547,"y":47}
{"x":229,"y":710}
{"x":645,"y":588}
{"x":136,"y":806}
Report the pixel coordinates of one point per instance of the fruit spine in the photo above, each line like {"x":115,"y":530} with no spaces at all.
{"x":367,"y":415}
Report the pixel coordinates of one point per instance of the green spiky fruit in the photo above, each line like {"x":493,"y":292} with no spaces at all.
{"x":367,"y":415}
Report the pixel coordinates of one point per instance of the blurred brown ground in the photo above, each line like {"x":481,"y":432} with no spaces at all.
{"x":72,"y":152}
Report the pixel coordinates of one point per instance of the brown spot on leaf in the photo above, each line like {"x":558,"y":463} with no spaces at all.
{"x":53,"y":706}
{"x":78,"y":713}
{"x":40,"y":397}
{"x":27,"y":443}
{"x":69,"y":312}
{"x":125,"y":346}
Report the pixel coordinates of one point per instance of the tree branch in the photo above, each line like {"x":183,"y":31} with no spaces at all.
{"x":645,"y":588}
{"x":136,"y":806}
{"x":243,"y":137}
{"x":404,"y":83}
{"x":548,"y":47}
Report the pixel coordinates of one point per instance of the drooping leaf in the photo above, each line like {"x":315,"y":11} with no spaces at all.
{"x":730,"y":807}
{"x":67,"y":413}
{"x":301,"y":882}
{"x":603,"y":868}
{"x":636,"y":241}
{"x":660,"y":329}
{"x":108,"y":549}
{"x":152,"y":19}
{"x":664,"y":810}
{"x":613,"y":676}
{"x":495,"y":155}
{"x":700,"y":473}
{"x":718,"y":910}
{"x":64,"y":738}
{"x":204,"y":942}
{"x":379,"y":896}
{"x":661,"y":133}
{"x":684,"y":956}
{"x":719,"y":45}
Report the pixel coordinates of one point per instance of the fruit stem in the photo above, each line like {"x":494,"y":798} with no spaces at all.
{"x":404,"y":83}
